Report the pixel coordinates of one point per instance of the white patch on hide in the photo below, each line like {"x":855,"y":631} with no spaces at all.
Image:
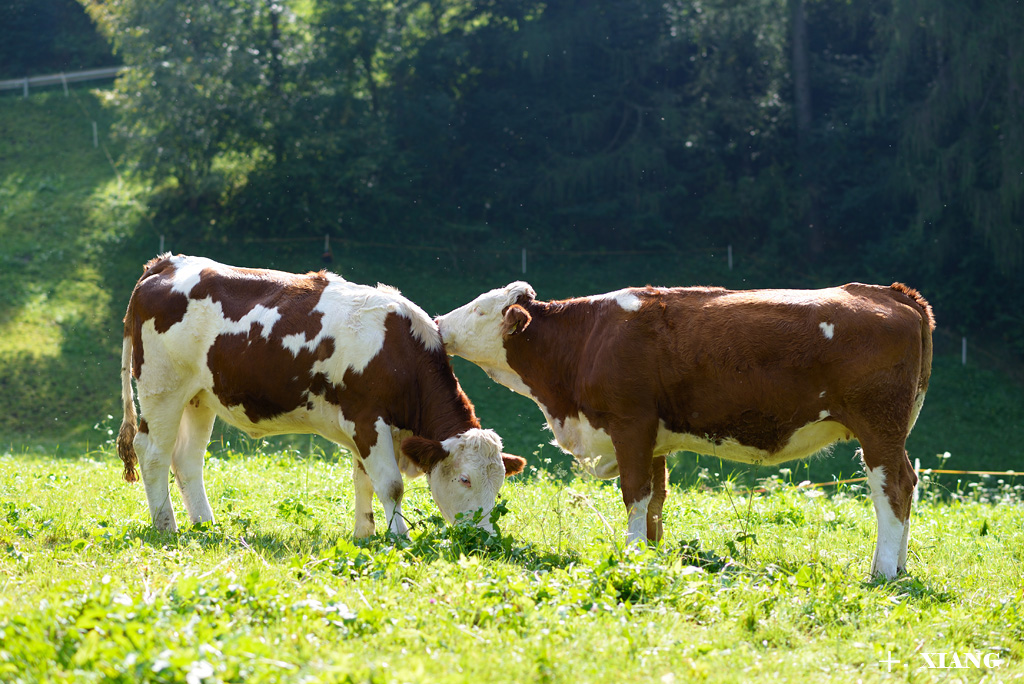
{"x":827,"y":329}
{"x":187,"y":271}
{"x":625,"y":298}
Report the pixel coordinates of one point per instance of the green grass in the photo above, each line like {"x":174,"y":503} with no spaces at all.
{"x":278,"y":591}
{"x":64,"y":220}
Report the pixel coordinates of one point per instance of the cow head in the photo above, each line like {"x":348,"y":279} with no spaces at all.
{"x":464,"y":472}
{"x":477,"y":331}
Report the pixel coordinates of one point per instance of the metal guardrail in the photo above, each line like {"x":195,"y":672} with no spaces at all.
{"x":60,"y":79}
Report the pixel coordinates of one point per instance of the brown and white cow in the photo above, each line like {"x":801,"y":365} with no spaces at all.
{"x":761,"y":376}
{"x":272,"y":353}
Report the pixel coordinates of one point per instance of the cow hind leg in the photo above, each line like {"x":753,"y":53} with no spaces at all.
{"x":892,"y":480}
{"x":154,"y":445}
{"x":188,"y":458}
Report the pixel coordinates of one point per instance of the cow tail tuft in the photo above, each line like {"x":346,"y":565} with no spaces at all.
{"x":126,"y":436}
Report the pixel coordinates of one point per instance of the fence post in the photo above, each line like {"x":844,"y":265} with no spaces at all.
{"x":95,"y":136}
{"x":26,"y":87}
{"x":161,"y":245}
{"x":730,"y":257}
{"x":963,"y":350}
{"x":524,"y":260}
{"x":64,"y":82}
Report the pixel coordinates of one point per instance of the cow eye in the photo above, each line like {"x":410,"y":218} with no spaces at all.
{"x":464,"y":480}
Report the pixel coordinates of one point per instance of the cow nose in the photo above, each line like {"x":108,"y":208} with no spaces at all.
{"x":440,"y":329}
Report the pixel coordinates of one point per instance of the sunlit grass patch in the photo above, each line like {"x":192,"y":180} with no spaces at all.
{"x":277,"y":589}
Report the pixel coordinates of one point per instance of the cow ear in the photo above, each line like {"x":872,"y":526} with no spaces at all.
{"x":425,"y":453}
{"x":513,"y":464}
{"x":517,"y":319}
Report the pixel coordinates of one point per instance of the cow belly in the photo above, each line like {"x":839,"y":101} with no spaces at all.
{"x":324,"y":420}
{"x":591,"y":447}
{"x":807,"y":440}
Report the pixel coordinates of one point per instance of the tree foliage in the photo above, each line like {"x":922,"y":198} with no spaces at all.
{"x":955,"y":73}
{"x":48,"y":36}
{"x":886,"y":134}
{"x":207,"y":80}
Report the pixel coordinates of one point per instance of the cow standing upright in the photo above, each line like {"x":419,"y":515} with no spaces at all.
{"x":761,"y":376}
{"x":272,"y":353}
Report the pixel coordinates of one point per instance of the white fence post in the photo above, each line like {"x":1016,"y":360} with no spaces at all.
{"x":730,"y":257}
{"x":95,"y":136}
{"x":963,"y":350}
{"x":524,"y":260}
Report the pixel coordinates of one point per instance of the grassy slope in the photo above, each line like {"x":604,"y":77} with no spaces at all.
{"x":63,"y":220}
{"x":73,"y":238}
{"x":277,"y":591}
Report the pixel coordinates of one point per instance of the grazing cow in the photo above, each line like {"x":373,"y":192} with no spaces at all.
{"x":761,"y":376}
{"x":272,"y":353}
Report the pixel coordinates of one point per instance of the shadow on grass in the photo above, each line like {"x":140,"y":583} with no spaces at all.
{"x":429,"y":541}
{"x":914,"y":588}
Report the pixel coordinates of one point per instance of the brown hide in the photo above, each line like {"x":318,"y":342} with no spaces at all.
{"x":751,"y":366}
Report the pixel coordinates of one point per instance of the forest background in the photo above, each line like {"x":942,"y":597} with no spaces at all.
{"x":817,"y":141}
{"x":819,"y":137}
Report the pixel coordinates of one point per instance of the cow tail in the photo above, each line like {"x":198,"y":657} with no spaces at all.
{"x":129,"y":428}
{"x":927,"y":326}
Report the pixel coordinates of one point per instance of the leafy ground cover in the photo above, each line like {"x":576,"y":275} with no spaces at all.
{"x":276,"y":590}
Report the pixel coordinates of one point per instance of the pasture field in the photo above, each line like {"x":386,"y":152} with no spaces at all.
{"x":769,"y":587}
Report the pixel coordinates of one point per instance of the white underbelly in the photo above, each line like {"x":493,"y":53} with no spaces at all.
{"x":807,"y":440}
{"x":593,"y":448}
{"x":324,"y":419}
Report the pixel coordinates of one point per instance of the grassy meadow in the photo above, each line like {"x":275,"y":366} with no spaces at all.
{"x":277,"y":591}
{"x":770,"y":585}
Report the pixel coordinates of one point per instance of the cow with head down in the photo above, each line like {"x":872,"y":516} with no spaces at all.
{"x":272,"y":353}
{"x":761,"y":376}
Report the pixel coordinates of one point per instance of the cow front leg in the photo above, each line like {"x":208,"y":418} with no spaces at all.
{"x":154,"y":445}
{"x":633,"y":452}
{"x":659,"y":491}
{"x":364,"y":526}
{"x":892,"y":480}
{"x":382,"y":469}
